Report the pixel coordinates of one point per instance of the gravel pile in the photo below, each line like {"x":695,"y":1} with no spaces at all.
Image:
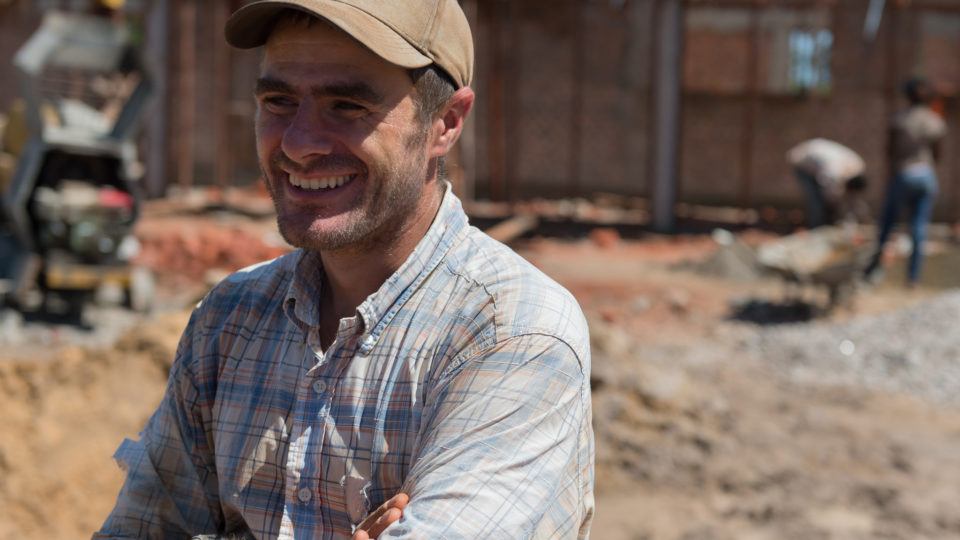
{"x":915,"y":350}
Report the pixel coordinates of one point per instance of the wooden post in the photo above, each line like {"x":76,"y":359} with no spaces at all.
{"x":745,"y":197}
{"x":493,"y":13}
{"x":576,"y":117}
{"x":514,"y":69}
{"x":186,"y":91}
{"x":222,"y":70}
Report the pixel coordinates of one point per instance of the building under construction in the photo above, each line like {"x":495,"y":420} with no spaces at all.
{"x":662,"y":101}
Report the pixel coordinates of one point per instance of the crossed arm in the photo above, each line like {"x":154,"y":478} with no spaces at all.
{"x":501,"y":455}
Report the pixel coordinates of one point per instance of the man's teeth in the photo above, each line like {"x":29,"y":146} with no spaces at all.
{"x":320,"y":183}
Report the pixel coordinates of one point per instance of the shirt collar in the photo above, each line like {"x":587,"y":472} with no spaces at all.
{"x":302,"y":303}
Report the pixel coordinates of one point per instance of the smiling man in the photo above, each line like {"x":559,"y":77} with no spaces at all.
{"x":401,"y":374}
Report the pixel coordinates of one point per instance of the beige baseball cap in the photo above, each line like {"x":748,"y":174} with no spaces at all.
{"x":407,"y":33}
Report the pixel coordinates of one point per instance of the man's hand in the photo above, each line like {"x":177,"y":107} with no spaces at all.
{"x":382,"y":517}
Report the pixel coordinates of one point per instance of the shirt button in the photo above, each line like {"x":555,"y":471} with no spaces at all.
{"x":304,"y":494}
{"x":319,"y":387}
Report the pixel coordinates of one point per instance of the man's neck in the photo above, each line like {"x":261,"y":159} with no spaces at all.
{"x":354,"y":274}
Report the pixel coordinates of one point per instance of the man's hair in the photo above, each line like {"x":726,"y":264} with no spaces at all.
{"x":433,"y":89}
{"x":918,"y":90}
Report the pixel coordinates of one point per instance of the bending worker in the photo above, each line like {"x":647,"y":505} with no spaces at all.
{"x":832,"y":178}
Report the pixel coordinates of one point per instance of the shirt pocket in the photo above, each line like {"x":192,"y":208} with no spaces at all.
{"x":356,"y":493}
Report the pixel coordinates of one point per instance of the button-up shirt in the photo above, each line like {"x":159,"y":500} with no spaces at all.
{"x":463,"y":382}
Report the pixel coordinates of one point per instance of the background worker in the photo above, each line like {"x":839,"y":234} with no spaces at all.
{"x":832,"y":178}
{"x":913,"y":148}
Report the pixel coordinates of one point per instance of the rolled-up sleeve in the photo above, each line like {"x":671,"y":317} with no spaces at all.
{"x":502,"y":451}
{"x":170,"y":488}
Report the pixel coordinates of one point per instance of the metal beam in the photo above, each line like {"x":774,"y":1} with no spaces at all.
{"x":668,"y":61}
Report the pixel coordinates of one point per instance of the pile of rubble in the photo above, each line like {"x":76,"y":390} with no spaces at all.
{"x":192,"y":251}
{"x":914,"y":350}
{"x":706,"y":439}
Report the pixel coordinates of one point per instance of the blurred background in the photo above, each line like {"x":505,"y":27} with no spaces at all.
{"x":748,"y":382}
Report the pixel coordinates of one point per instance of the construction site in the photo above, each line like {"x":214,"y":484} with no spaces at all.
{"x":747,"y":382}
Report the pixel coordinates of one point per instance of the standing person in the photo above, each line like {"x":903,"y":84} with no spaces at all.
{"x":400,"y":359}
{"x":832,"y":179}
{"x":913,"y":149}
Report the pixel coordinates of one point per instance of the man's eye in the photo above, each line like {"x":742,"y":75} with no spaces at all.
{"x":278,"y":103}
{"x":348,"y":106}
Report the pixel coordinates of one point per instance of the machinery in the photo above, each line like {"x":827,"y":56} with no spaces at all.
{"x":73,"y":197}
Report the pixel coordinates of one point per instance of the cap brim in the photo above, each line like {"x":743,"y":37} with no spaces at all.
{"x":250,"y":27}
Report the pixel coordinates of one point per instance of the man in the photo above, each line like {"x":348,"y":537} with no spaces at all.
{"x":400,"y":359}
{"x":913,"y":148}
{"x":831,"y":176}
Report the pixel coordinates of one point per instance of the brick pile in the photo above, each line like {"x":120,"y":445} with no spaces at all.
{"x":190,"y":249}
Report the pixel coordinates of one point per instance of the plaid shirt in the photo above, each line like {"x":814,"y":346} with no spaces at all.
{"x":463,"y":381}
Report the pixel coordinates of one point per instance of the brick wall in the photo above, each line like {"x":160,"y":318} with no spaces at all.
{"x":734,"y":139}
{"x":563,"y":91}
{"x":564,"y":103}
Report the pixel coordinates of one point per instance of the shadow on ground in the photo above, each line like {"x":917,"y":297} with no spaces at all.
{"x":72,"y":320}
{"x":766,"y":312}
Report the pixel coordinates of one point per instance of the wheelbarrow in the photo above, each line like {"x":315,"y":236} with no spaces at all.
{"x":830,"y":257}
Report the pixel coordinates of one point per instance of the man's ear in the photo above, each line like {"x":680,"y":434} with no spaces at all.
{"x":449,"y":124}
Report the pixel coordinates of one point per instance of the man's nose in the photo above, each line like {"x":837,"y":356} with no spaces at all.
{"x":306,"y":137}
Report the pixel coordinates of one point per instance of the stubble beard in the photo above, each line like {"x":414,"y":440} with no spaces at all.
{"x":378,"y":216}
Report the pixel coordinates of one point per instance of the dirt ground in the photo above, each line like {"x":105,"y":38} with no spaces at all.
{"x":699,"y":437}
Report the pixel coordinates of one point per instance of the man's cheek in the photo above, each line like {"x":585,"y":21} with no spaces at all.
{"x":268,"y":128}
